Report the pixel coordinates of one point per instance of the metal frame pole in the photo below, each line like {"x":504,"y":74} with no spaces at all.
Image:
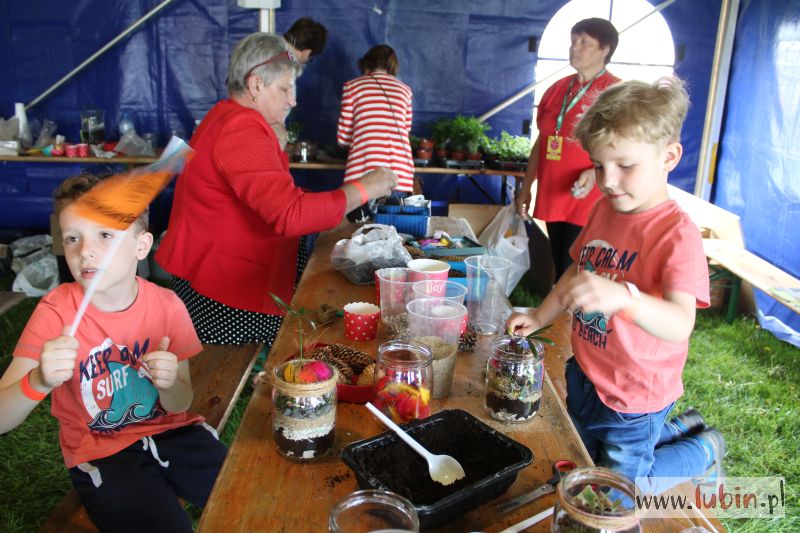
{"x":100,"y":52}
{"x":712,"y":125}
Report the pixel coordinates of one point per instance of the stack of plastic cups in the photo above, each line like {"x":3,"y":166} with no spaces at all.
{"x":395,"y":292}
{"x":487,"y":278}
{"x":447,"y":290}
{"x":437,"y":323}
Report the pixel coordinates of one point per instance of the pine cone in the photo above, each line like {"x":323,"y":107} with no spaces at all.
{"x":367,"y":376}
{"x":355,"y":359}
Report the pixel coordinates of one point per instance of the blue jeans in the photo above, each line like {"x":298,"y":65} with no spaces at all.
{"x":635,"y":445}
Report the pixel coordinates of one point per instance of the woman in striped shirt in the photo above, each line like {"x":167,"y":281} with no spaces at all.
{"x":375,"y":119}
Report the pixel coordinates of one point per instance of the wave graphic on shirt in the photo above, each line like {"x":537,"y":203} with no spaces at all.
{"x":595,"y":321}
{"x":136,"y":402}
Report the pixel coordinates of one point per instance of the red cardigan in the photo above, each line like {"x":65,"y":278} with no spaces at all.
{"x":237,"y":215}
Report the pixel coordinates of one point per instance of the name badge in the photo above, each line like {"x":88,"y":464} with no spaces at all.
{"x":554,"y":145}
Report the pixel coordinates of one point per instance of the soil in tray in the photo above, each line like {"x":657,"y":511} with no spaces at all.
{"x":517,"y":408}
{"x":401,"y":470}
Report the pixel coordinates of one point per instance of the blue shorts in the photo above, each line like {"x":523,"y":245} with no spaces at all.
{"x":134,"y":491}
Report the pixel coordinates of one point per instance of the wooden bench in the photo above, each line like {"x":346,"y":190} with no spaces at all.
{"x":219,"y":374}
{"x":9,"y":299}
{"x":749,"y":267}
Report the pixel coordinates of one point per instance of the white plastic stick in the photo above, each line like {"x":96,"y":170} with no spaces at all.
{"x":101,"y":269}
{"x":528,"y":522}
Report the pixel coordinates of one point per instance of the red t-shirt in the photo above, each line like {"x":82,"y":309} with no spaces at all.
{"x":108,"y":405}
{"x":659,"y":250}
{"x":554,"y":200}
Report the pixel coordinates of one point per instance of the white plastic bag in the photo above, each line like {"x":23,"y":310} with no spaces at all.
{"x":505,"y":236}
{"x":372,"y":247}
{"x":37,"y":278}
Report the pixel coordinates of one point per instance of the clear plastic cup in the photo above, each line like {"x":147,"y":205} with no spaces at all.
{"x":366,"y":511}
{"x":396,"y":290}
{"x":487,"y":278}
{"x":434,"y":288}
{"x":437,"y":322}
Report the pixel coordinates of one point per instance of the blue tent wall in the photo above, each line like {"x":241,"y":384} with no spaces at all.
{"x":459,"y":57}
{"x":758,"y":176}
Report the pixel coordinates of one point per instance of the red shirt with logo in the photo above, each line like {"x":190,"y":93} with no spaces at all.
{"x":554,"y":200}
{"x":659,"y":250}
{"x":109,"y":403}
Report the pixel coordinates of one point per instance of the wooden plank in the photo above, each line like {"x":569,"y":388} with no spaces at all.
{"x":751,"y":268}
{"x":9,"y":299}
{"x":298,"y":497}
{"x":219,"y":374}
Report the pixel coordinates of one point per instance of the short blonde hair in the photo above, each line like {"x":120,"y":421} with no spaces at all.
{"x":643,"y":112}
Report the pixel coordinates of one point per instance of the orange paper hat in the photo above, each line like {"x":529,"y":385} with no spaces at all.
{"x":118,"y":201}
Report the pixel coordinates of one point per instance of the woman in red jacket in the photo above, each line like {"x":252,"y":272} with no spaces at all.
{"x":237,"y":215}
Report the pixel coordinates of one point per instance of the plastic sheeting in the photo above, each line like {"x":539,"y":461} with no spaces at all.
{"x":459,"y":56}
{"x":758,"y":176}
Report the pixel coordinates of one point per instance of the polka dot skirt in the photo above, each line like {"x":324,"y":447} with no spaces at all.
{"x":302,"y":258}
{"x":217,"y":323}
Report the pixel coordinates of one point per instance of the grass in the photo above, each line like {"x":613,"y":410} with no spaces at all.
{"x":744,"y":380}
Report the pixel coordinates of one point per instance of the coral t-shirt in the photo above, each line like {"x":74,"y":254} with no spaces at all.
{"x":659,"y":250}
{"x":109,"y":403}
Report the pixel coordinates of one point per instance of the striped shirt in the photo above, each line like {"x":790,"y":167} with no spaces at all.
{"x":374,"y":121}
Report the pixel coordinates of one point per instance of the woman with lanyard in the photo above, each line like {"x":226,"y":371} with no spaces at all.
{"x":566,"y":191}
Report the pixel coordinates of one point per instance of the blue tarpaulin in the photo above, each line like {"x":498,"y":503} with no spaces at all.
{"x":759,"y":163}
{"x":459,"y":57}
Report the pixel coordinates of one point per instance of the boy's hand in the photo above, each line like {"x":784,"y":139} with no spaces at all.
{"x":163,"y":366}
{"x":522,"y":324}
{"x":58,"y":359}
{"x":591,"y":292}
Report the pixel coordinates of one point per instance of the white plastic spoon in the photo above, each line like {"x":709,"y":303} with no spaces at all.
{"x":442,"y":468}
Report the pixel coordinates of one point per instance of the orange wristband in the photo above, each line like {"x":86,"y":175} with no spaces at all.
{"x":29,"y":391}
{"x":358,"y":185}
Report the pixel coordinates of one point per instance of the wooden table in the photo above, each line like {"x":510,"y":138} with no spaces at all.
{"x":258,"y":490}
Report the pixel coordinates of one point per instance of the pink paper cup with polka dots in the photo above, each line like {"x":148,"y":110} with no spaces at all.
{"x":361,"y":321}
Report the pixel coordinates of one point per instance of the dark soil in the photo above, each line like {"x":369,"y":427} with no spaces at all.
{"x":521,"y":410}
{"x":320,"y":445}
{"x":478,"y":448}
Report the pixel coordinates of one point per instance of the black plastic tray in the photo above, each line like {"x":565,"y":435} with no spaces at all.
{"x":459,"y":432}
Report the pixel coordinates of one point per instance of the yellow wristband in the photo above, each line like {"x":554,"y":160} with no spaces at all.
{"x":636,"y":298}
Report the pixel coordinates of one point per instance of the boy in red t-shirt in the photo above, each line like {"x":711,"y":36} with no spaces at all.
{"x":641,"y":272}
{"x":121,"y":385}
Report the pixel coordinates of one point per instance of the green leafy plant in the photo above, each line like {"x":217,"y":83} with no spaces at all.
{"x":293,"y":132}
{"x":508,"y":147}
{"x":524,"y":344}
{"x":467,"y":133}
{"x":441,"y":132}
{"x":301,"y":316}
{"x":413,"y":140}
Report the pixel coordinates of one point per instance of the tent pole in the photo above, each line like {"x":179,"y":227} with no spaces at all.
{"x":507,"y":102}
{"x":723,"y":50}
{"x":100,"y":52}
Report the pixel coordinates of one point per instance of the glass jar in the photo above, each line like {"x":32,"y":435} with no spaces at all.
{"x":373,"y":510}
{"x":514,"y":375}
{"x":595,"y":499}
{"x":403,"y":380}
{"x":304,"y":409}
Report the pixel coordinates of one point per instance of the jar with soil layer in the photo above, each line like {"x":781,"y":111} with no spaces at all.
{"x":595,"y":500}
{"x":514,"y":375}
{"x":304,"y":402}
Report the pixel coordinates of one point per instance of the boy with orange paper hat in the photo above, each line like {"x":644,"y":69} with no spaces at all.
{"x":120,"y":386}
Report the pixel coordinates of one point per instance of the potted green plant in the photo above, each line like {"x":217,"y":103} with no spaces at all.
{"x":509,"y":152}
{"x":440,"y":131}
{"x":466,"y":134}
